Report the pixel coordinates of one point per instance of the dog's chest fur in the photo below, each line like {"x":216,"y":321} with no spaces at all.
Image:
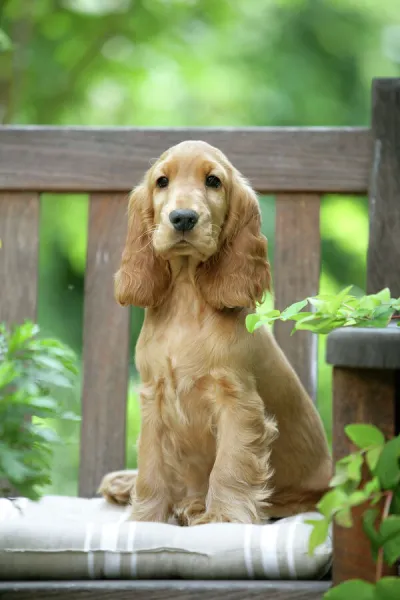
{"x":178,"y":351}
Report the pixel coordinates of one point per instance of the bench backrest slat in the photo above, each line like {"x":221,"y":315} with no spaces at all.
{"x":105,"y":346}
{"x":19,"y":240}
{"x":297,"y":272}
{"x":105,"y":159}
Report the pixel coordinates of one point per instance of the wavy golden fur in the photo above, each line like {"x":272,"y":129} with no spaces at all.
{"x":228,"y":432}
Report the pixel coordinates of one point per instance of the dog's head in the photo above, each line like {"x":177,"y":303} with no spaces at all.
{"x":194,"y":203}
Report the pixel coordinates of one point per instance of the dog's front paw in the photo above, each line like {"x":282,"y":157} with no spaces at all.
{"x":117,"y":487}
{"x":189,"y":510}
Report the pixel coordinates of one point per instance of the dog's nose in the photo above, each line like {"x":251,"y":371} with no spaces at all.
{"x":183,"y":219}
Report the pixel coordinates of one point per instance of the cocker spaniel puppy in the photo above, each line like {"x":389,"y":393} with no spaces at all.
{"x":228,"y":432}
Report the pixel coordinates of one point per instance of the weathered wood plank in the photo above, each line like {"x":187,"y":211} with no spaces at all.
{"x":19,"y":246}
{"x":383,"y":265}
{"x":94,"y":159}
{"x":296,"y":274}
{"x":367,"y":348}
{"x":106,"y":347}
{"x":359,"y":396}
{"x":165,"y":590}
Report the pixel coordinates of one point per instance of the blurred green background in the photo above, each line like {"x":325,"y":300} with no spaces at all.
{"x":189,"y":63}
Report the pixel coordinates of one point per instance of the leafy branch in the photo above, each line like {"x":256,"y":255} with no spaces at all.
{"x":30,"y":368}
{"x":381,"y":459}
{"x":375,"y":456}
{"x":327,"y":312}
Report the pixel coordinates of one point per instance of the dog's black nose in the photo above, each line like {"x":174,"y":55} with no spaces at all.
{"x":183,"y":219}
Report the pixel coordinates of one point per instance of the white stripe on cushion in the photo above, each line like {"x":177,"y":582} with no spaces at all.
{"x":290,"y":545}
{"x":248,"y":559}
{"x":109,"y":544}
{"x":86,"y":548}
{"x":268,"y":547}
{"x":130,"y":546}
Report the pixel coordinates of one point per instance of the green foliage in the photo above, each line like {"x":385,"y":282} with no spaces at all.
{"x":387,"y":588}
{"x":5,"y":42}
{"x":381,"y":459}
{"x":331,"y":311}
{"x":30,"y":369}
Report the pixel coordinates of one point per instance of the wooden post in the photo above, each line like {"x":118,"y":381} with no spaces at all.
{"x":383,"y":266}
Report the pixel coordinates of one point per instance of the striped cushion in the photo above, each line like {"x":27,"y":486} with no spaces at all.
{"x":74,"y":538}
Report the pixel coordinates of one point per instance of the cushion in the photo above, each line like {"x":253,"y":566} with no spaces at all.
{"x":74,"y":538}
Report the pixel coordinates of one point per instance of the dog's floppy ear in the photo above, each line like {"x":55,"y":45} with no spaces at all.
{"x":143,"y":278}
{"x":238,"y":274}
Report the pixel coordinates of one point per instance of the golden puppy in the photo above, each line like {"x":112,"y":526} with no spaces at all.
{"x":228,"y":432}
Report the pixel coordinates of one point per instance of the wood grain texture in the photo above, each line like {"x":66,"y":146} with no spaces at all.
{"x":19,"y":235}
{"x":296,"y":273}
{"x":105,"y":346}
{"x":165,"y":590}
{"x":359,"y":396}
{"x":106,"y":159}
{"x":383,"y":265}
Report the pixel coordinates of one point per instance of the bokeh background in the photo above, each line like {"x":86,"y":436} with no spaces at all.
{"x":188,"y":63}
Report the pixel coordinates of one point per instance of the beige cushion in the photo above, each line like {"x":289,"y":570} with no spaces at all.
{"x":74,"y":538}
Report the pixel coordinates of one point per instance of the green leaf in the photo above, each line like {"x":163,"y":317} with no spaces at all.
{"x":251,"y":321}
{"x":45,"y":434}
{"x":272,"y":314}
{"x":8,"y":373}
{"x":368,"y":303}
{"x":342,"y":295}
{"x":321,"y":325}
{"x":395,"y":506}
{"x":21,"y":334}
{"x":293,"y":309}
{"x":320,"y":305}
{"x":355,"y":588}
{"x":369,"y":520}
{"x":387,"y":588}
{"x":318,"y":534}
{"x":383,"y":313}
{"x":364,"y":436}
{"x":343,"y":517}
{"x":48,"y":362}
{"x":358,"y":497}
{"x":70,"y":416}
{"x":372,"y":486}
{"x":372,"y":457}
{"x":354,"y":466}
{"x":390,"y":538}
{"x":44,"y":402}
{"x":301,"y":316}
{"x":383,"y":295}
{"x":339,"y":478}
{"x":5,"y":42}
{"x":388,"y":469}
{"x":12,"y":465}
{"x":331,"y":502}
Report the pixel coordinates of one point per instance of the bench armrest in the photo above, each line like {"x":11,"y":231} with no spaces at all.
{"x":365,"y":347}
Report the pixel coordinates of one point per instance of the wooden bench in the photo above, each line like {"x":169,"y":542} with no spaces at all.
{"x":297,"y":165}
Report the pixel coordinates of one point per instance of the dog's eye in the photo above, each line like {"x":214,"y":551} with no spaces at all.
{"x":213,"y":181}
{"x":162,"y":182}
